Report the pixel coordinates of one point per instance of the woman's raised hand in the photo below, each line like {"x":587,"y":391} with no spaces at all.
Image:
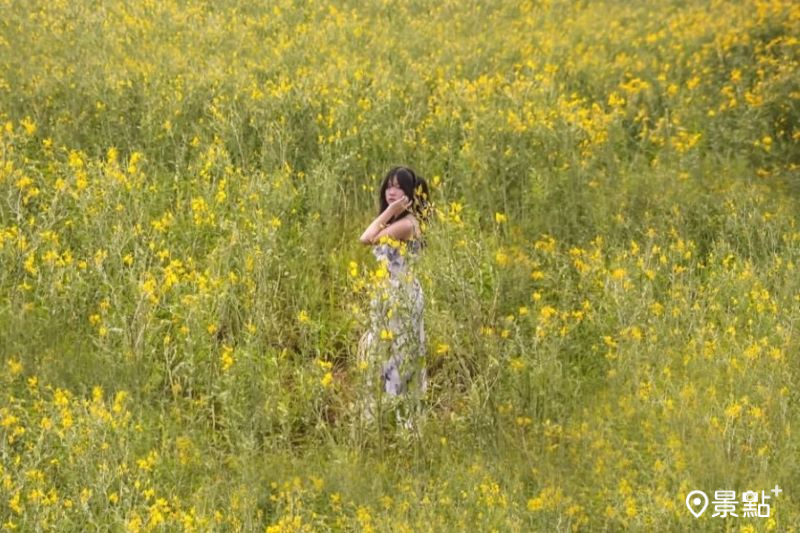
{"x":399,"y":205}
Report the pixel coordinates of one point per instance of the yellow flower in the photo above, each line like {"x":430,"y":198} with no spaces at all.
{"x":382,"y":272}
{"x":226,"y":358}
{"x":547,"y":312}
{"x":546,"y":243}
{"x":29,"y":264}
{"x":29,"y":126}
{"x":517,"y":364}
{"x":501,"y":258}
{"x":733,"y":410}
{"x":327,"y":379}
{"x":14,"y":503}
{"x":534,"y":504}
{"x":548,"y":498}
{"x":752,"y":352}
{"x":14,"y":367}
{"x":302,"y":317}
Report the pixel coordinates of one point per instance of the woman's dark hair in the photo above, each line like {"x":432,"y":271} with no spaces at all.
{"x":415,"y":187}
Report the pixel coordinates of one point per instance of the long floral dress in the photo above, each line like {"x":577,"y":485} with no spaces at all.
{"x":393,"y":348}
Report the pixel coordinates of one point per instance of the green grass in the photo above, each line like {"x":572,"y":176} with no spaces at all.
{"x":610,"y":283}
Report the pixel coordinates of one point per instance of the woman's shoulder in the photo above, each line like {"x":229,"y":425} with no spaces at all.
{"x":415,"y":223}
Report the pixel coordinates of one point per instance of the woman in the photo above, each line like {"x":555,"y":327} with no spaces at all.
{"x":394,"y":345}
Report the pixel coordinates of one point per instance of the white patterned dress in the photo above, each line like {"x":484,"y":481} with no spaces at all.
{"x":394,"y":346}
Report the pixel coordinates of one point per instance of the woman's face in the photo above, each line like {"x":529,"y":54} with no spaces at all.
{"x":393,"y":191}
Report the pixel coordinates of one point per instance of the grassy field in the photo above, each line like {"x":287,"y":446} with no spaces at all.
{"x":611,"y":282}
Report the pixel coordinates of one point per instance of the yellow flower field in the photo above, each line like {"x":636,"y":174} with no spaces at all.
{"x":611,"y":281}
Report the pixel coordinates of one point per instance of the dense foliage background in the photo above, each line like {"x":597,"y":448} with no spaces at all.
{"x":612,"y":295}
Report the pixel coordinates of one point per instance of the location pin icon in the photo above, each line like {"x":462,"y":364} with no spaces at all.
{"x":694,"y":500}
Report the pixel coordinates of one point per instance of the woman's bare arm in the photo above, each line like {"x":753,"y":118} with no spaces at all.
{"x":378,"y":228}
{"x":370,"y":234}
{"x":402,"y":230}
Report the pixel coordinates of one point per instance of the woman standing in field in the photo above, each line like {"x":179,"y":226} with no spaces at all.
{"x":394,"y":345}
